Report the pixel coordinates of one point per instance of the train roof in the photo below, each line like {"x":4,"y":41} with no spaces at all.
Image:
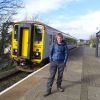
{"x":28,"y":22}
{"x":66,"y":35}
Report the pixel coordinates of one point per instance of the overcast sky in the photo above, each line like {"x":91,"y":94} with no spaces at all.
{"x":79,"y":18}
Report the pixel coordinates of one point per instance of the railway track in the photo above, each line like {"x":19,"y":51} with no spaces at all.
{"x":8,"y":73}
{"x":11,"y":79}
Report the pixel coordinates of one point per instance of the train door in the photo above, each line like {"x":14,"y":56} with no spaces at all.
{"x":25,"y":38}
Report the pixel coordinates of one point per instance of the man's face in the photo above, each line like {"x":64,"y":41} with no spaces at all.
{"x":59,"y":39}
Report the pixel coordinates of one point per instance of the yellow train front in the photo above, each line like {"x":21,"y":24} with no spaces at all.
{"x":28,"y":40}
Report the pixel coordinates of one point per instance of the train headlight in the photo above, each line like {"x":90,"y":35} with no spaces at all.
{"x":36,"y":55}
{"x":15,"y":51}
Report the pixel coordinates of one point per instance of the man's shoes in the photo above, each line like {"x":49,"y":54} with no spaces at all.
{"x":47,"y":94}
{"x":60,"y":89}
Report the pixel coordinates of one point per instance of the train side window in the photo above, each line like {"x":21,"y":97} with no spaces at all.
{"x":54,"y":38}
{"x":50,"y":39}
{"x":16,"y":32}
{"x":38,"y":33}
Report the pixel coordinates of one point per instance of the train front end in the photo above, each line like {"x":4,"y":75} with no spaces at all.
{"x":27,"y":43}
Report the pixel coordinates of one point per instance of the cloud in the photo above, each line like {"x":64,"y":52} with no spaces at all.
{"x":82,"y":27}
{"x":35,"y":7}
{"x":42,"y":6}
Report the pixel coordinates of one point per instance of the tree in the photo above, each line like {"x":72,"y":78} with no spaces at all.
{"x":32,"y":18}
{"x":8,"y":8}
{"x":92,"y":41}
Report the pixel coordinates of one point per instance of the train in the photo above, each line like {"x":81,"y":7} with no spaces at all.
{"x":31,"y":42}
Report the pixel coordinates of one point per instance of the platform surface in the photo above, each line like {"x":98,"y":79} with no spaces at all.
{"x":81,"y":80}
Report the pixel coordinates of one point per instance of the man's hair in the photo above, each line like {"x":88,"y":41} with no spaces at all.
{"x":60,"y":35}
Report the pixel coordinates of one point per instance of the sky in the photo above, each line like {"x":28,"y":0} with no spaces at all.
{"x":79,"y":18}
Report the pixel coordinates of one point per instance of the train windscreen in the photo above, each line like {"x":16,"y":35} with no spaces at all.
{"x":38,"y":33}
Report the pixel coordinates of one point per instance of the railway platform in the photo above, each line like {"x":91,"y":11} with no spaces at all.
{"x":81,"y":80}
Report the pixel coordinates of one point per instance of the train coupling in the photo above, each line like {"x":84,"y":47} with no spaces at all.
{"x":24,"y":62}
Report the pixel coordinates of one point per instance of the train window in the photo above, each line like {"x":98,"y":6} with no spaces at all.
{"x":38,"y":33}
{"x":50,"y":39}
{"x":16,"y":32}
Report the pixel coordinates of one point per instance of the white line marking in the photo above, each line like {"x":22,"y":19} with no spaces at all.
{"x":6,"y":90}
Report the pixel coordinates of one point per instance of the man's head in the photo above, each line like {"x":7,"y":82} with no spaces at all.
{"x":59,"y":37}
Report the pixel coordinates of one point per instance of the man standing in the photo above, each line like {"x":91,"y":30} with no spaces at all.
{"x":58,"y":58}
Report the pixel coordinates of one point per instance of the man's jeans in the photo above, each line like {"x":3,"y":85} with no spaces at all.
{"x":54,"y":66}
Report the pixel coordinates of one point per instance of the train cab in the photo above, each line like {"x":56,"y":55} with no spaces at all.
{"x":27,"y":42}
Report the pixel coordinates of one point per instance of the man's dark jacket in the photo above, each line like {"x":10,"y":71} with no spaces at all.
{"x":59,"y":52}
